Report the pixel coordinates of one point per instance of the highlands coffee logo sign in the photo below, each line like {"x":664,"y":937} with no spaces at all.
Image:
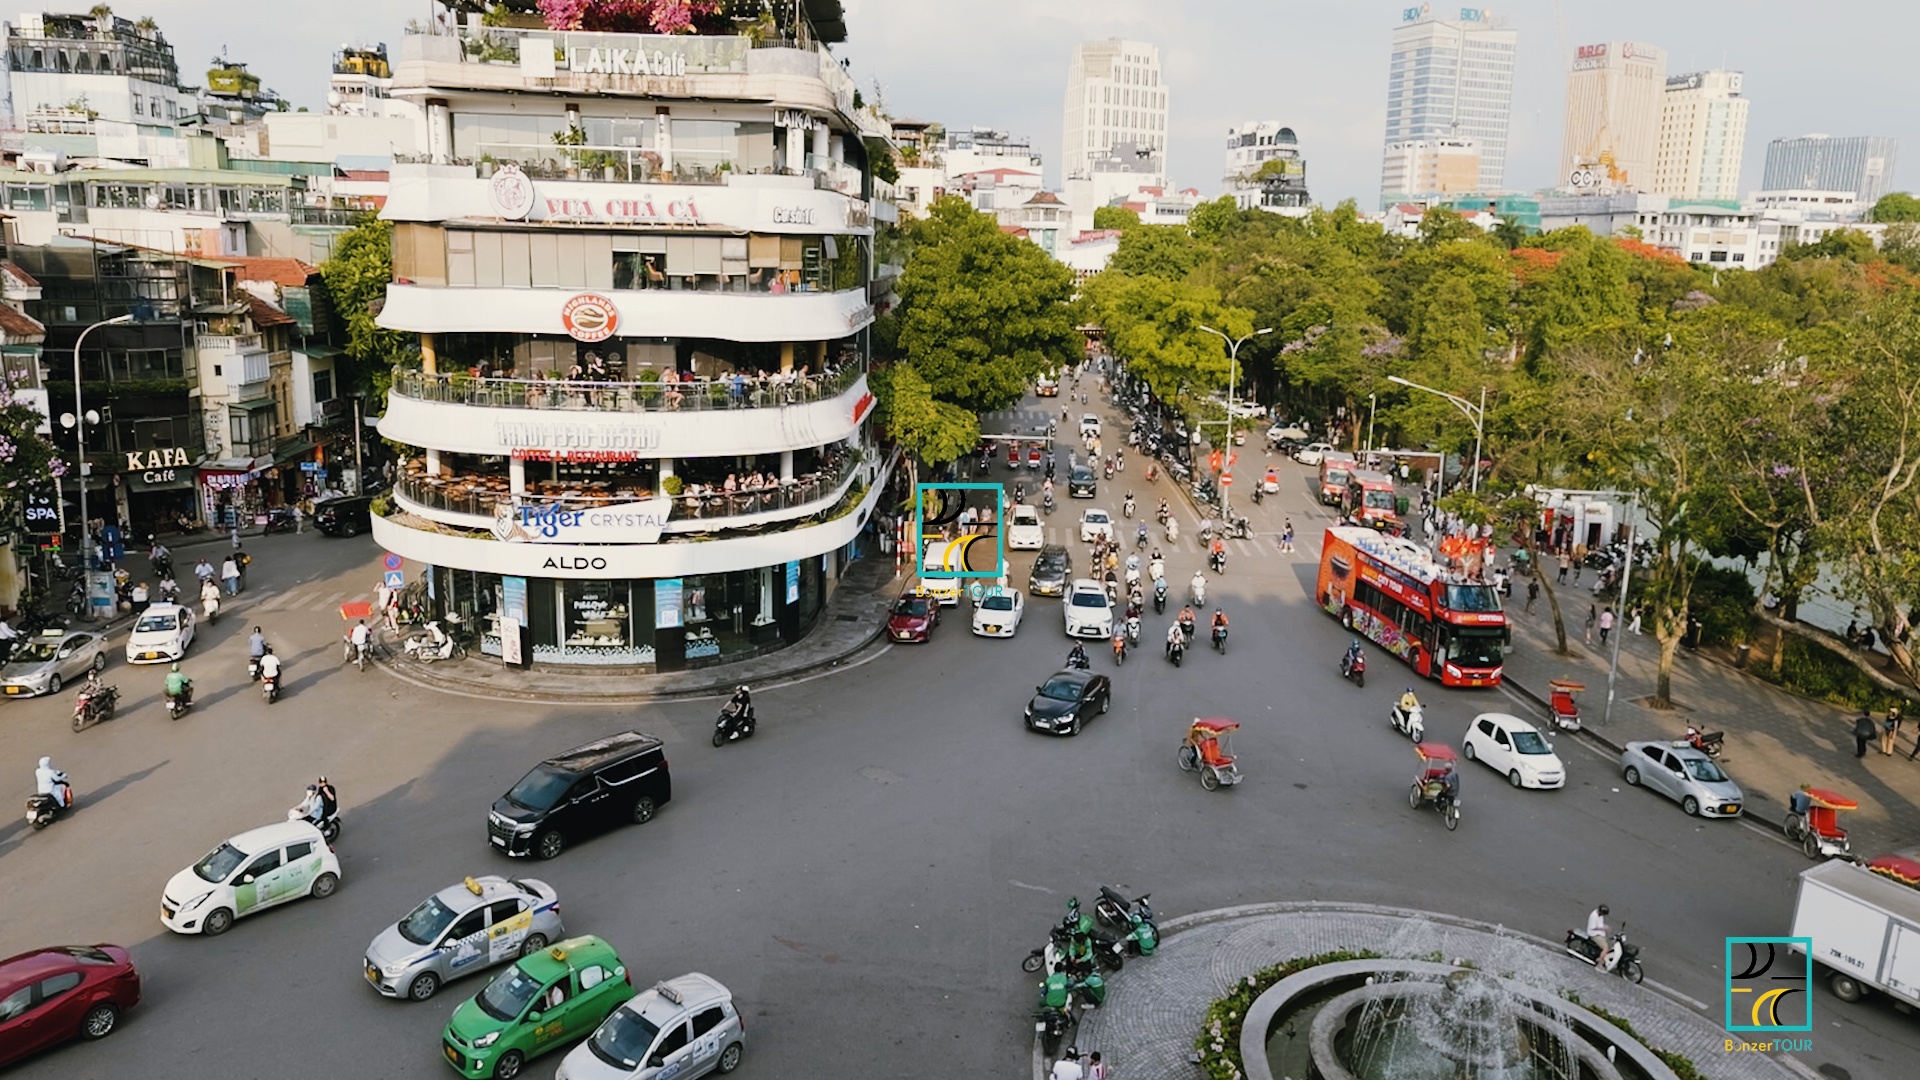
{"x":590,"y":317}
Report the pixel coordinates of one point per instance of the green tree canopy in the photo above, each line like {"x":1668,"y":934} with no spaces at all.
{"x":1155,"y":324}
{"x":357,"y":276}
{"x":1114,"y":217}
{"x":1896,"y":206}
{"x":1163,"y":251}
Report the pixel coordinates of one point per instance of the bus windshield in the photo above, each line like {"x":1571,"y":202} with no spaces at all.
{"x":1476,"y":647}
{"x":1473,"y":598}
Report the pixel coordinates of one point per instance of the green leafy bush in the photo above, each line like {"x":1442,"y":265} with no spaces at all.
{"x":1682,"y":1067}
{"x":1806,"y":668}
{"x":1219,"y":1039}
{"x":1722,"y":599}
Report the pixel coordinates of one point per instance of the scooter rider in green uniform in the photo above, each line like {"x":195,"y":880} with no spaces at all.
{"x":178,"y":685}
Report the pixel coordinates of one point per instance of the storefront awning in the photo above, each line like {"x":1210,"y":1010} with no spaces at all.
{"x":298,"y":449}
{"x":251,"y":404}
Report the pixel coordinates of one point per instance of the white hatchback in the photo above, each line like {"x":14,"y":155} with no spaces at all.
{"x":1096,"y":525}
{"x":1512,"y":746}
{"x":1088,"y":612}
{"x":258,"y":869}
{"x":1312,"y":453}
{"x":998,"y":613}
{"x":1089,"y":425}
{"x":1024,"y":531}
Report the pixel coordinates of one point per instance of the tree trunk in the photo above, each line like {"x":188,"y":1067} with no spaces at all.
{"x":1838,"y":646}
{"x":1553,"y":599}
{"x":1669,"y":632}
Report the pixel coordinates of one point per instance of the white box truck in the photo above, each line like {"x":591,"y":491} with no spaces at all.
{"x":1865,"y":930}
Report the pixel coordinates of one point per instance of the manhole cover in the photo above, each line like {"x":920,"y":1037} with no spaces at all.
{"x":1835,"y":1071}
{"x":846,"y":618}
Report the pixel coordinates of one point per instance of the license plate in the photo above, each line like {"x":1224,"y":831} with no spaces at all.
{"x":498,"y":841}
{"x":1730,"y":810}
{"x":13,"y":689}
{"x":993,"y":629}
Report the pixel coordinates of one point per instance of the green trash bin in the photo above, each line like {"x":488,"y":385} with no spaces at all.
{"x":1401,"y":504}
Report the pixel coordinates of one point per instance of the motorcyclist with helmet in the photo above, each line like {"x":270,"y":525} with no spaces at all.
{"x":48,"y":780}
{"x":178,"y":685}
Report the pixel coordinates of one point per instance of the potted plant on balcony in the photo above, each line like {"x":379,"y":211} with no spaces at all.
{"x":673,"y":486}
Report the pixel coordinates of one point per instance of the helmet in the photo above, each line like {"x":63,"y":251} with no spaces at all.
{"x":322,"y":780}
{"x":175,"y":666}
{"x":742,"y":689}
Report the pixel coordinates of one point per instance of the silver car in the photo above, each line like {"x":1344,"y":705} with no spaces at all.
{"x":462,"y":929}
{"x":52,"y":660}
{"x":680,"y":1028}
{"x":1683,"y":774}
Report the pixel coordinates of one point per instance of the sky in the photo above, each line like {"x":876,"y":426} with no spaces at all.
{"x":1842,"y":68}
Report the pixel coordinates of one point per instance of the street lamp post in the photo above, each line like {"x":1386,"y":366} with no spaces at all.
{"x":80,"y":445}
{"x":1475,"y":413}
{"x":1373,"y":410}
{"x":1233,"y":372}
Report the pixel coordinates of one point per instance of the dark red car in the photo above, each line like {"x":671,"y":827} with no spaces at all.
{"x":51,"y":995}
{"x":912,"y":618}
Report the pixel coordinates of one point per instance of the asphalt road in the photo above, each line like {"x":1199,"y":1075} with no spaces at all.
{"x":867,"y":872}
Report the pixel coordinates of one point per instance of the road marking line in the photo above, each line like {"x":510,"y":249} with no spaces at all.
{"x":1024,"y":885}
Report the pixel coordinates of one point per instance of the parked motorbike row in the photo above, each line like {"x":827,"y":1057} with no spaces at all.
{"x":1077,"y":951}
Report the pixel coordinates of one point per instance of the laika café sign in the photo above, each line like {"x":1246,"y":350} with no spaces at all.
{"x":620,"y":523}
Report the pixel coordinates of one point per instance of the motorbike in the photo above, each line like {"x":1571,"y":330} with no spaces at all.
{"x":1217,"y":560}
{"x":279,"y":520}
{"x":43,"y":810}
{"x":210,"y":609}
{"x":1411,"y":724}
{"x":1140,"y":931}
{"x":329,"y":825}
{"x":1709,"y":743}
{"x":1430,"y":788}
{"x":1120,"y":648}
{"x":1109,"y":470}
{"x":1077,"y":660}
{"x":423,"y":647}
{"x":270,"y":688}
{"x":1133,"y":631}
{"x":1186,"y":627}
{"x":1159,"y":595}
{"x":1240,"y":528}
{"x":1353,"y":665}
{"x":1046,"y":502}
{"x":1055,"y":1012}
{"x":1127,"y":506}
{"x":733,"y":724}
{"x":95,"y":705}
{"x":1623,"y":957}
{"x":253,"y":669}
{"x":1198,"y":591}
{"x":178,"y":704}
{"x":1140,"y":536}
{"x":1220,"y":639}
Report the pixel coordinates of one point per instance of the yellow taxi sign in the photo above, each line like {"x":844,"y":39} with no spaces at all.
{"x":472,"y":886}
{"x":558,"y":953}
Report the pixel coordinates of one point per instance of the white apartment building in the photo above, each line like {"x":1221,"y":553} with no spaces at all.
{"x":1249,"y":177}
{"x":698,"y":239}
{"x":999,"y":192}
{"x":65,"y":73}
{"x":979,"y":149}
{"x":1114,"y":97}
{"x":1450,"y":77}
{"x":1428,"y":168}
{"x":1839,"y":205}
{"x":1703,"y":136}
{"x":1120,"y":173}
{"x":1615,"y":94}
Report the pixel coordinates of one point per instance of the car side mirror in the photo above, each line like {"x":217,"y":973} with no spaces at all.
{"x":656,"y":1061}
{"x":246,"y":879}
{"x":534,"y":1016}
{"x":64,"y":653}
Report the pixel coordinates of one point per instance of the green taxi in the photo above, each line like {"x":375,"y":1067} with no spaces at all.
{"x":544,"y":1001}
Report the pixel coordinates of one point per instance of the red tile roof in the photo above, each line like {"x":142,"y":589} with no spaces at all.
{"x":1014,"y":230}
{"x":18,"y":323}
{"x":265,"y":314}
{"x":1000,"y":174}
{"x":13,"y":270}
{"x":361,"y":174}
{"x":283,"y":272}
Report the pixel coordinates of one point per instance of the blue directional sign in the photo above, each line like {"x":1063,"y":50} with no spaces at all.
{"x":395,"y":579}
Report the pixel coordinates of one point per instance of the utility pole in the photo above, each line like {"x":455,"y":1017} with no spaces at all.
{"x":1233,"y":372}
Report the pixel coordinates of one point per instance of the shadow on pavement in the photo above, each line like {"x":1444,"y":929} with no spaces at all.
{"x":17,"y":825}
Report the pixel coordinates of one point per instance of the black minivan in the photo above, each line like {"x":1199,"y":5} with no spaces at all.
{"x":619,"y":780}
{"x":345,"y":515}
{"x":1080,"y":482}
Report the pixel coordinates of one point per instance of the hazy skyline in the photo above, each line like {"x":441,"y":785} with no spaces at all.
{"x":1318,"y":68}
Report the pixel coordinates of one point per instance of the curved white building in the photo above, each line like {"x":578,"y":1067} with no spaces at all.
{"x":639,"y":270}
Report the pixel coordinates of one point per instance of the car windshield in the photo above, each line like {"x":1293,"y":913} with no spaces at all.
{"x":1082,"y":476}
{"x":1704,"y":771}
{"x":623,"y":1040}
{"x":998,"y":602}
{"x":912,"y":605}
{"x":1336,"y":476}
{"x":1096,"y":517}
{"x":1061,"y":690}
{"x":427,"y":922}
{"x":157,"y":621}
{"x":1530,"y":742}
{"x":219,"y":863}
{"x":506,"y":997}
{"x":1053,"y":563}
{"x":1026,"y":519}
{"x":39,"y":650}
{"x":540,"y":789}
{"x":1090,"y":599}
{"x":1380,"y":500}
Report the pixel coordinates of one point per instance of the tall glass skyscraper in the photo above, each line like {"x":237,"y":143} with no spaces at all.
{"x":1862,"y":164}
{"x":1451,"y":77}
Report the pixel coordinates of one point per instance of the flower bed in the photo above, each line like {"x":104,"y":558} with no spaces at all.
{"x":1219,"y":1039}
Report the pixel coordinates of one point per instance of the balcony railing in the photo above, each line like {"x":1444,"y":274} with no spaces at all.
{"x":695,"y":396}
{"x":695,"y":510}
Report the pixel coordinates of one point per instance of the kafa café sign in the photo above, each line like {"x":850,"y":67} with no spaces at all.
{"x":156,"y":466}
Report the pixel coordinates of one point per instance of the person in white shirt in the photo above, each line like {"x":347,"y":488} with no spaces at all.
{"x":1068,"y":1067}
{"x":1598,"y":931}
{"x":269,"y":665}
{"x":357,"y":639}
{"x":48,"y":780}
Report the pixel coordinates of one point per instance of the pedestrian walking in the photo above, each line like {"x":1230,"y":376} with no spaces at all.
{"x":1579,"y":561}
{"x":1533,"y":593}
{"x":1566,"y":563}
{"x":1592,"y":617}
{"x":1606,"y":624}
{"x":230,"y":573}
{"x":299,"y":520}
{"x":1096,"y":1069}
{"x":1286,"y":537}
{"x":1890,"y":730}
{"x":1862,"y":733}
{"x":233,"y":534}
{"x":1635,"y":624}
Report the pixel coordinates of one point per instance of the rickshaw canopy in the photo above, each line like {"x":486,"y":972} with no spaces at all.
{"x":1215,"y":727}
{"x":1898,"y":867}
{"x":1433,"y":753}
{"x":357,"y":609}
{"x":1830,"y":800}
{"x":1566,"y":684}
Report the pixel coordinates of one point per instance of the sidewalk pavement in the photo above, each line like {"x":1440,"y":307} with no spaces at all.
{"x":1155,"y":1005}
{"x":1776,"y":740}
{"x":852,"y":619}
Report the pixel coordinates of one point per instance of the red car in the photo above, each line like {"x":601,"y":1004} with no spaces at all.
{"x":51,"y":995}
{"x":912,"y":618}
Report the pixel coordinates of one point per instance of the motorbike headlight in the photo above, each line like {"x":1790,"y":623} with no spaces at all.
{"x":487,"y":1040}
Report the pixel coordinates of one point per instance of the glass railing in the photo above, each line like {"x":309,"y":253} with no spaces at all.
{"x":697,"y":395}
{"x":482,"y":495}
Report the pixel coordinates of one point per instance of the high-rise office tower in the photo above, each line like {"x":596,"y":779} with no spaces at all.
{"x":1862,"y":164}
{"x":1615,"y":91}
{"x":1450,"y":78}
{"x":1703,"y":134}
{"x":1114,"y":97}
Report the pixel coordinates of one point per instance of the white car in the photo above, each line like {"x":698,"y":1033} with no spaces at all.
{"x":161,"y":634}
{"x":1088,"y":613}
{"x":1515,"y":748}
{"x":998,"y":613}
{"x":1024,"y":531}
{"x":1312,"y":453}
{"x":1096,"y":524}
{"x":1089,"y":425}
{"x":258,"y":869}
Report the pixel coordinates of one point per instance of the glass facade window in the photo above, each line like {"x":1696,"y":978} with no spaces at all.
{"x":597,"y":617}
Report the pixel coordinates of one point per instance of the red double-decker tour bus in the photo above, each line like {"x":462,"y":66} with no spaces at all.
{"x":1390,"y":590}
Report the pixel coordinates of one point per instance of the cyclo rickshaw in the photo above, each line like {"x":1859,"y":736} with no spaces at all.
{"x":1566,"y":711}
{"x":1813,"y":820}
{"x":1436,"y":784}
{"x":1207,"y":749}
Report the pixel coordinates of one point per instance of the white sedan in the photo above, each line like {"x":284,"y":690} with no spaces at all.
{"x":1088,"y":613}
{"x":1096,"y":525}
{"x":998,"y":613}
{"x":161,"y":635}
{"x":1090,"y":425}
{"x":1024,"y":531}
{"x":1312,"y":453}
{"x":1512,"y":746}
